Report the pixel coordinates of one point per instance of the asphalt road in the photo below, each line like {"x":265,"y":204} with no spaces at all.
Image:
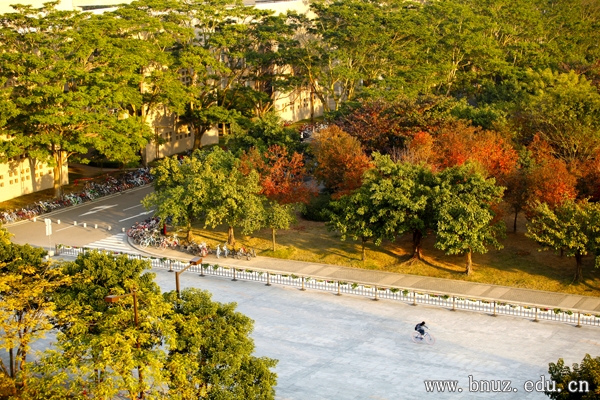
{"x":117,"y":212}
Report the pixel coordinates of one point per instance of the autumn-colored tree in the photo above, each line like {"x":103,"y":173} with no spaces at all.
{"x":588,"y":179}
{"x":282,"y":182}
{"x":460,"y":142}
{"x":281,"y":174}
{"x":386,"y":126}
{"x":549,"y":180}
{"x":375,"y":125}
{"x":340,"y":161}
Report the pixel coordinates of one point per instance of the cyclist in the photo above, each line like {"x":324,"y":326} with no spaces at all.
{"x":420,"y":328}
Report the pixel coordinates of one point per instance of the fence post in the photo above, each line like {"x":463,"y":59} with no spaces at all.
{"x":536,"y":318}
{"x":56,"y":249}
{"x":338,"y":291}
{"x":201,"y":269}
{"x":414,"y":299}
{"x":268,"y":279}
{"x":578,"y":320}
{"x":303,"y":288}
{"x":376,"y":298}
{"x":234,"y":279}
{"x":494,"y":315}
{"x":170,"y":265}
{"x":453,"y":303}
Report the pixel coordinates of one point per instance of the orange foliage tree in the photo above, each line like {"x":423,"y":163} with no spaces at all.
{"x":458,"y":143}
{"x":340,"y":161}
{"x":281,"y":174}
{"x":282,"y":183}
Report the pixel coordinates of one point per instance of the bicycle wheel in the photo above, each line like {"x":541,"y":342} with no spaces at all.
{"x":416,"y":337}
{"x":429,"y":339}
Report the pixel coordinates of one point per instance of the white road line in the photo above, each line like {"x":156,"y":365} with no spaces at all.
{"x":129,"y":208}
{"x":135,"y":216}
{"x":62,"y":229}
{"x":97,"y":209}
{"x":116,"y":242}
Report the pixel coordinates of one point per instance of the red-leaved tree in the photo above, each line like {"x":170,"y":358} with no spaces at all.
{"x":459,"y":142}
{"x":282,"y":178}
{"x":340,"y":161}
{"x":281,"y":174}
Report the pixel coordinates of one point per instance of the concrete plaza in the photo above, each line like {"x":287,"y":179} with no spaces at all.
{"x":349,"y":347}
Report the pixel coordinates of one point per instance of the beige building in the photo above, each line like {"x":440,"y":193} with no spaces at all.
{"x":22,"y":175}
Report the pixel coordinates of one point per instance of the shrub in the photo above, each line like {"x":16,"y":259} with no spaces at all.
{"x":315,"y":209}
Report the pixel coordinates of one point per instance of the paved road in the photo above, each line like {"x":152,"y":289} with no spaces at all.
{"x":118,"y":211}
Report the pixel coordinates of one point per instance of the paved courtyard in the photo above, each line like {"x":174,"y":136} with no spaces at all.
{"x":348,"y":347}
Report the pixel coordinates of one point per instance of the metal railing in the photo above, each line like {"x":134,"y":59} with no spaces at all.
{"x":453,"y":302}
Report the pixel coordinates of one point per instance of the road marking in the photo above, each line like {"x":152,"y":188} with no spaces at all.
{"x":116,"y":243}
{"x":129,"y":208}
{"x":135,"y":216}
{"x":97,"y":209}
{"x":70,"y":226}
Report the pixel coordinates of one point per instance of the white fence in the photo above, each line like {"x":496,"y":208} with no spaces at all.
{"x":453,"y":302}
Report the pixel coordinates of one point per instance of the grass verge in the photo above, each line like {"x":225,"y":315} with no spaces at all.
{"x":518,"y":264}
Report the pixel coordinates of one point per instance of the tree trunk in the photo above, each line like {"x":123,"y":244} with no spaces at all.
{"x":190,"y":235}
{"x":273,"y":236}
{"x":469,"y":264}
{"x":12,"y":362}
{"x":579,"y":269}
{"x":198,"y":133}
{"x":230,"y":236}
{"x":515,"y":222}
{"x":58,"y":173}
{"x":417,"y":239}
{"x":312,"y":105}
{"x":364,"y":253}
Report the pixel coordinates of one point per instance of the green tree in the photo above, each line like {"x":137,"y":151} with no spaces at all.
{"x":211,"y":188}
{"x":354,"y":44}
{"x":179,"y":190}
{"x":279,"y":216}
{"x":211,"y":354}
{"x":26,"y":309}
{"x":564,"y":110}
{"x":585,"y":377}
{"x":99,"y":345}
{"x":572,"y":227}
{"x":465,"y":216}
{"x":61,"y":95}
{"x":394,"y":198}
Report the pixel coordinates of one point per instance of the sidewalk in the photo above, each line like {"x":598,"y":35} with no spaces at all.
{"x":550,"y":300}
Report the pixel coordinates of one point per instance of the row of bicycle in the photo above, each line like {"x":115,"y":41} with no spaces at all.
{"x":202,"y":249}
{"x":91,"y":191}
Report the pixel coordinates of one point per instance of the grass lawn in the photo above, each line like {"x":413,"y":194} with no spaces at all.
{"x":518,"y":264}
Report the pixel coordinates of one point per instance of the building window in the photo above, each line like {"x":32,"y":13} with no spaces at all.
{"x":1,"y":184}
{"x":1,"y":176}
{"x":11,"y":181}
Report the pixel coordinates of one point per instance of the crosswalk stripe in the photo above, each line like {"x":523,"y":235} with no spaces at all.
{"x":116,"y":242}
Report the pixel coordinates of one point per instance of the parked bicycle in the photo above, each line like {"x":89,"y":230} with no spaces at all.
{"x":91,"y":191}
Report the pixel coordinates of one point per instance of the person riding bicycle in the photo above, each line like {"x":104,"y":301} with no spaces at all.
{"x":420,"y":328}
